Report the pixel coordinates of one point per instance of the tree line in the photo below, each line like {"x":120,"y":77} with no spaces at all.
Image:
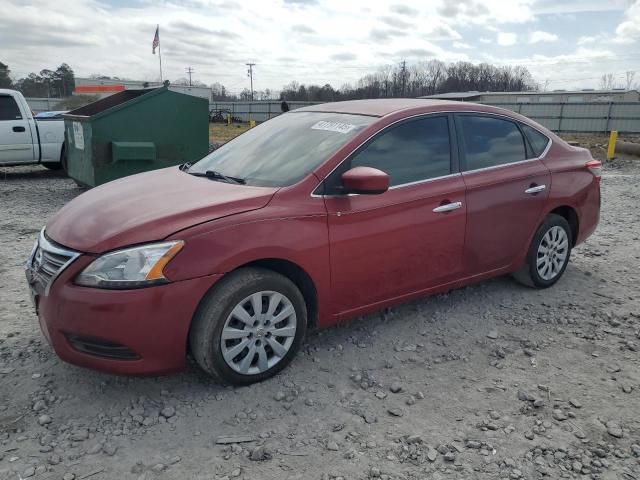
{"x":58,"y":83}
{"x":423,"y":78}
{"x":401,"y":80}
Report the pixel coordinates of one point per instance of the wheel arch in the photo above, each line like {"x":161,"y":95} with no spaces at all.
{"x":298,"y":276}
{"x":293,"y":272}
{"x":571,"y":216}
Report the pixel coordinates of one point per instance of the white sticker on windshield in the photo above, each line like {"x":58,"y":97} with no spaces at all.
{"x":333,"y":126}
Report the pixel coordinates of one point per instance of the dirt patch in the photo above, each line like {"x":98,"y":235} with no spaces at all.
{"x":491,"y":381}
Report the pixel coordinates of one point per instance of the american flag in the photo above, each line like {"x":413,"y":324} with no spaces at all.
{"x":156,"y":40}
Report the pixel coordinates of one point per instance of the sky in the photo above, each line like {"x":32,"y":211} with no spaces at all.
{"x":564,"y":43}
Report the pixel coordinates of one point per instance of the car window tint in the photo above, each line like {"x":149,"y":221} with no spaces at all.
{"x":537,"y":140}
{"x":413,"y":151}
{"x":9,"y":108}
{"x":490,"y":141}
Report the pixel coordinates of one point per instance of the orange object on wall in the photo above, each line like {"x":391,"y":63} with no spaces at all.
{"x":98,"y":88}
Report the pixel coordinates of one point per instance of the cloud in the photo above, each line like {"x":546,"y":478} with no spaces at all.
{"x":380,"y":35}
{"x":506,"y":39}
{"x":463,"y":7}
{"x":300,"y":3}
{"x":413,"y":53}
{"x":443,"y":32}
{"x":541,"y":36}
{"x":461,"y":45}
{"x":628,"y":31}
{"x":403,"y":10}
{"x":585,"y":40}
{"x":396,"y":22}
{"x":343,"y":56}
{"x":300,"y":28}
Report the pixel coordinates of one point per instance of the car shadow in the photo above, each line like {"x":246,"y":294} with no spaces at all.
{"x":30,"y":172}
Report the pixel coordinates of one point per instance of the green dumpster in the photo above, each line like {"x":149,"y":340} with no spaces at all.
{"x":134,"y":131}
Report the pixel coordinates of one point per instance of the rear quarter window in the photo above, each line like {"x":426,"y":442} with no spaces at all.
{"x":537,"y":140}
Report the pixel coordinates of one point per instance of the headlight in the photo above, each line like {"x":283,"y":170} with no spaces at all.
{"x":130,"y":268}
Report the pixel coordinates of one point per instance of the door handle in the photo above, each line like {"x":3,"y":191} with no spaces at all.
{"x":447,"y":207}
{"x":535,"y":189}
{"x":18,"y":129}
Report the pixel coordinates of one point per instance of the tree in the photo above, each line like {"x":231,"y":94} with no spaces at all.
{"x":5,"y":79}
{"x":630,"y":76}
{"x":607,"y":81}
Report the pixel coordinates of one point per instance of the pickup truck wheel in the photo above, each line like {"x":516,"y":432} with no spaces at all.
{"x":53,"y":166}
{"x":548,"y":254}
{"x":249,"y":326}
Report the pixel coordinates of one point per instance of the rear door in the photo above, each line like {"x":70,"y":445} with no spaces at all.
{"x":16,"y":144}
{"x":409,"y":238}
{"x":507,"y":189}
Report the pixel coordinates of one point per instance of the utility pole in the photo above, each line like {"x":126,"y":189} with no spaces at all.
{"x":250,"y":74}
{"x":404,"y":75}
{"x":190,"y":71}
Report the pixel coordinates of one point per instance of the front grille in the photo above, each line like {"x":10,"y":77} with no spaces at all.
{"x":48,"y":260}
{"x":101,"y":348}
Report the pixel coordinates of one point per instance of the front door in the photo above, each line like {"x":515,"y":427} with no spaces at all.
{"x":16,"y":144}
{"x":409,"y":238}
{"x":506,"y":191}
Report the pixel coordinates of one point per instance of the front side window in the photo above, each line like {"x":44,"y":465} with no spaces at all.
{"x":410,"y":152}
{"x":9,"y":108}
{"x":490,"y":141}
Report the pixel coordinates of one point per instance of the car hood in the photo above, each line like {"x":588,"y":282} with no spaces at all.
{"x":148,"y":207}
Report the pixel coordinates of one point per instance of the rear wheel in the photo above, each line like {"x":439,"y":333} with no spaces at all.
{"x":548,"y":253}
{"x":248,"y":327}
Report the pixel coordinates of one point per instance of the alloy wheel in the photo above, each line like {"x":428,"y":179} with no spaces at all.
{"x":258,"y":332}
{"x":552,"y":253}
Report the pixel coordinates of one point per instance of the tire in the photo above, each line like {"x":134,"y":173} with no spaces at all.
{"x":555,"y":234}
{"x":52,"y":165}
{"x":221,"y":311}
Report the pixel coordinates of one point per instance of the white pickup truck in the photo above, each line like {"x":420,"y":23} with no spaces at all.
{"x":25,"y":140}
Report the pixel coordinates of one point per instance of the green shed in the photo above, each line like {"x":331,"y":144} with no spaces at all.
{"x":134,"y":131}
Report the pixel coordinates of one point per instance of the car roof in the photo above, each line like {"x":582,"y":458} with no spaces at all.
{"x":381,"y":107}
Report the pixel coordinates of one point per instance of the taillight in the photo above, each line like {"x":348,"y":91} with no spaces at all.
{"x":595,"y":167}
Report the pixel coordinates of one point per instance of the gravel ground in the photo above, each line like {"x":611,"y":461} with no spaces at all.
{"x":491,"y":381}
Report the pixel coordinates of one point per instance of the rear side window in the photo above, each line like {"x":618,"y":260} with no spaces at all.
{"x":410,"y":152}
{"x":9,"y":108}
{"x":537,"y":140}
{"x":490,"y":141}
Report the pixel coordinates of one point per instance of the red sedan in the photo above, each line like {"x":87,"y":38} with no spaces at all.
{"x":323,"y":213}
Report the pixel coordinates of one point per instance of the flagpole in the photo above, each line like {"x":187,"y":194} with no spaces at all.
{"x":160,"y":53}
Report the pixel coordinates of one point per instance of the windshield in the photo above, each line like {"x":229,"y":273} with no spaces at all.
{"x":285,"y":149}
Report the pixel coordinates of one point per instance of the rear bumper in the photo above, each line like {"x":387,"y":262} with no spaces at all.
{"x":589,"y":213}
{"x":132,"y":332}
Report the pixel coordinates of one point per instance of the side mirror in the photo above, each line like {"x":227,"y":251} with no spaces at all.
{"x":365,"y":180}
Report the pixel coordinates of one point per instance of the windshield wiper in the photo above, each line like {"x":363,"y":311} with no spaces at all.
{"x":185,"y":166}
{"x":214,"y":175}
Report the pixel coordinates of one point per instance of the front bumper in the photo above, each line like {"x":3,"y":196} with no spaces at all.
{"x":150,"y":325}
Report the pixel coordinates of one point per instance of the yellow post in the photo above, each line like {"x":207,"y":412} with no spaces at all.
{"x":252,"y":123}
{"x":228,"y":119}
{"x":613,"y":138}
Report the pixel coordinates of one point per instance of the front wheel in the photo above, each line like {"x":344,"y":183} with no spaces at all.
{"x":548,"y":253}
{"x":249,"y":326}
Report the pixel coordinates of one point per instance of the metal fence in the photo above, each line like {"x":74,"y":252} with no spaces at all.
{"x":42,"y":104}
{"x":581,"y":117}
{"x":558,"y":117}
{"x":258,"y":111}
